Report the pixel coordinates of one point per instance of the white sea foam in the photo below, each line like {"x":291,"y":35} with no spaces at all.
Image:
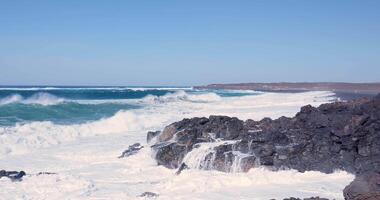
{"x":257,"y":184}
{"x":181,"y":95}
{"x":88,"y":153}
{"x":41,"y":98}
{"x":196,"y":159}
{"x":11,"y":99}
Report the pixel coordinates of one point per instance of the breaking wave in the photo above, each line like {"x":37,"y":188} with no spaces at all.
{"x":182,"y":96}
{"x":41,"y":98}
{"x":23,"y":137}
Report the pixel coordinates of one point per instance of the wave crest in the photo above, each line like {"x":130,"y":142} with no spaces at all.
{"x":182,"y":96}
{"x":41,"y":98}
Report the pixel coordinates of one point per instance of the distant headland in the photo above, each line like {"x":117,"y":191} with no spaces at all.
{"x":360,"y":88}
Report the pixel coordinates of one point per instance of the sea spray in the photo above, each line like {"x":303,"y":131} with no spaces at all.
{"x":41,"y":98}
{"x":203,"y":157}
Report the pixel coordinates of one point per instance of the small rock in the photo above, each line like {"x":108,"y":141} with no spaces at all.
{"x":181,"y":168}
{"x":132,"y":149}
{"x":13,"y":175}
{"x":149,"y":195}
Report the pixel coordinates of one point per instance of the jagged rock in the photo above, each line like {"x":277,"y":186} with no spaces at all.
{"x":364,"y":187}
{"x":169,"y":154}
{"x":132,"y":149}
{"x":13,"y":175}
{"x":339,"y":135}
{"x":149,"y":195}
{"x":181,"y":168}
{"x":151,"y":135}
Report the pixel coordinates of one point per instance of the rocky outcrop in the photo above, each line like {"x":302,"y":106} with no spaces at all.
{"x":339,"y":135}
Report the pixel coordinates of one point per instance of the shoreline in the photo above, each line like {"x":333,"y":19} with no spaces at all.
{"x":368,"y":89}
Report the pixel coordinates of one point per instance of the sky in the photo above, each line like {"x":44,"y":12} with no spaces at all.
{"x":184,"y":43}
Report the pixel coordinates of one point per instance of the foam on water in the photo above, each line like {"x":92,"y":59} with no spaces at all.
{"x":182,"y":96}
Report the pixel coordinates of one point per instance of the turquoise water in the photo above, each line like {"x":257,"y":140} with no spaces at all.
{"x":71,"y":105}
{"x":63,"y":113}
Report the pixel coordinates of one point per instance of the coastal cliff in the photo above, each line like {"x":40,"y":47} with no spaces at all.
{"x":333,"y":136}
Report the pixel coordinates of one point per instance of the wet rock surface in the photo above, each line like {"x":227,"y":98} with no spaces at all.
{"x":339,"y":135}
{"x":132,"y":149}
{"x":149,"y":195}
{"x":151,"y":135}
{"x":364,"y":187}
{"x":12,"y":175}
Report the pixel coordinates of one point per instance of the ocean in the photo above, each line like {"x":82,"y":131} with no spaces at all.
{"x":79,"y":132}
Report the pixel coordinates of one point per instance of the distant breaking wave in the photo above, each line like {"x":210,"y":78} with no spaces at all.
{"x":93,"y":88}
{"x":41,"y":98}
{"x":42,"y":106}
{"x":182,"y":96}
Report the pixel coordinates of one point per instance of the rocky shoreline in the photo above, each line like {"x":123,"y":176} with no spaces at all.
{"x":334,"y":136}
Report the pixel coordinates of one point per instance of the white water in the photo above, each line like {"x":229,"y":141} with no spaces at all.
{"x":181,"y":96}
{"x":85,"y":156}
{"x":38,"y":98}
{"x":196,"y":159}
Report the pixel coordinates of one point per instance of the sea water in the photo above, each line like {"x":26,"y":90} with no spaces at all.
{"x":79,"y":132}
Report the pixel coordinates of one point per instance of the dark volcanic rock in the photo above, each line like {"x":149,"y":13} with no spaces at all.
{"x":151,"y":135}
{"x":311,"y":198}
{"x":364,"y":187}
{"x":13,"y":175}
{"x":132,"y":149}
{"x":181,"y":168}
{"x":315,"y":198}
{"x":149,"y":195}
{"x":340,"y":135}
{"x":170,"y":154}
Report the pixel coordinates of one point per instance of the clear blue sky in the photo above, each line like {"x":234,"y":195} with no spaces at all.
{"x":79,"y":42}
